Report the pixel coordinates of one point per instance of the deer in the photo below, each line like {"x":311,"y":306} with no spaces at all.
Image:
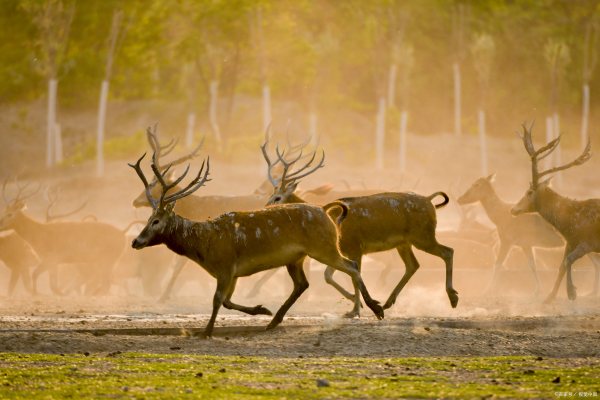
{"x":242,"y":243}
{"x":578,"y":221}
{"x":18,"y":256}
{"x":373,"y":223}
{"x":95,"y":245}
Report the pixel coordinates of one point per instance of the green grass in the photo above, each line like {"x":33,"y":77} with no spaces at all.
{"x":149,"y":376}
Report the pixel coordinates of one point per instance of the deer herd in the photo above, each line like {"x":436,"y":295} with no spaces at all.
{"x":238,"y":236}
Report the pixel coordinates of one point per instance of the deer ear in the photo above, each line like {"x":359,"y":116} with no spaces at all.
{"x":292,"y":188}
{"x":491,"y":177}
{"x":546,"y":182}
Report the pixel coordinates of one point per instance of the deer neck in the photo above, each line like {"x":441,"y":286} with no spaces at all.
{"x":554,"y":208}
{"x":186,"y":238}
{"x":497,"y":210}
{"x":29,"y":229}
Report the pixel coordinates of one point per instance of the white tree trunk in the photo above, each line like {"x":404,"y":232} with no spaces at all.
{"x":483,"y":143}
{"x":457,"y":100}
{"x":58,"y":147}
{"x":212,"y":111}
{"x":557,"y":152}
{"x":312,"y":128}
{"x":266,"y":107}
{"x":402,"y":145}
{"x":549,"y":137}
{"x":189,"y":132}
{"x":380,"y":134}
{"x":100,"y":129}
{"x":585,"y":115}
{"x":391,"y":100}
{"x":51,"y":121}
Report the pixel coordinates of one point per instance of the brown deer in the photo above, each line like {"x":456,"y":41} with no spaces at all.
{"x":578,"y":221}
{"x":373,"y":223}
{"x":239,"y":244}
{"x":97,"y":246}
{"x":19,"y":258}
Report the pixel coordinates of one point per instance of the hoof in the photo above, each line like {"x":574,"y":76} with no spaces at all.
{"x":260,"y":310}
{"x":453,"y":296}
{"x":352,"y":314}
{"x":377,"y":310}
{"x":572,"y":293}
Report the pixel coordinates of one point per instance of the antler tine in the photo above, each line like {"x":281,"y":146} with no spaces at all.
{"x":189,"y":156}
{"x":583,"y":157}
{"x":527,"y":141}
{"x":270,"y":165}
{"x":194,"y":185}
{"x":21,"y":195}
{"x":547,"y":149}
{"x":140,"y":173}
{"x":166,"y":187}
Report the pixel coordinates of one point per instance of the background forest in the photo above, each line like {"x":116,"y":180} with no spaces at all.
{"x":357,"y":76}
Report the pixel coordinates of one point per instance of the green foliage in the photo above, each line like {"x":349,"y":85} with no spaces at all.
{"x":172,"y":376}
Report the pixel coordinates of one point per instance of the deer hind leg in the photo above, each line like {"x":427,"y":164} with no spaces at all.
{"x":259,"y":284}
{"x":570,"y":256}
{"x":531,"y":262}
{"x":179,"y":264}
{"x":355,"y":312}
{"x":329,"y":279}
{"x":411,"y":264}
{"x":223,"y":287}
{"x":446,"y":254}
{"x":296,"y":272}
{"x":498,"y":263}
{"x":227,"y":303}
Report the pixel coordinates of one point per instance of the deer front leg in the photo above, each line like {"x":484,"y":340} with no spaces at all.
{"x":227,"y":303}
{"x":355,"y":312}
{"x":222,"y":285}
{"x":570,"y":256}
{"x":329,"y":279}
{"x":531,"y":262}
{"x":351,"y":268}
{"x":296,"y":272}
{"x":179,"y":264}
{"x":411,"y":264}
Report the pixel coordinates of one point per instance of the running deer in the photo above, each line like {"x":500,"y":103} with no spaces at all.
{"x":373,"y":223}
{"x":578,"y":221}
{"x":239,"y":244}
{"x":93,"y":246}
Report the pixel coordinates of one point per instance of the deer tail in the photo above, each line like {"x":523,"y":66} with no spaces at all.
{"x":442,"y":204}
{"x":343,"y":213}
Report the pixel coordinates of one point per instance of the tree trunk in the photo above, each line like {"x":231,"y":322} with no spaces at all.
{"x":212,"y":111}
{"x":557,"y":152}
{"x":266,"y":107}
{"x":189,"y":132}
{"x":402,"y":145}
{"x":51,"y":121}
{"x":585,"y":115}
{"x":100,"y":129}
{"x":549,"y":137}
{"x":457,"y":100}
{"x":483,"y":144}
{"x":392,"y":86}
{"x":380,"y":134}
{"x":58,"y":147}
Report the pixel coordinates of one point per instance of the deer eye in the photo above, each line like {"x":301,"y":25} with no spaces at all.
{"x":277,"y":198}
{"x":155,"y":222}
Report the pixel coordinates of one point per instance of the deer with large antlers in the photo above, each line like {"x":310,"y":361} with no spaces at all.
{"x":239,"y":244}
{"x":373,"y":223}
{"x":578,"y":221}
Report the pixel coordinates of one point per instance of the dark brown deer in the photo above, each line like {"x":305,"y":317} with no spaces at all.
{"x":92,"y":245}
{"x":374,"y":223}
{"x":239,"y":244}
{"x":578,"y":221}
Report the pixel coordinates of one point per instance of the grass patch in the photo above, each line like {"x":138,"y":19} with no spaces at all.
{"x":150,"y":376}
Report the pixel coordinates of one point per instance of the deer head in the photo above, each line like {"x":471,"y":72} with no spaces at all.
{"x":287,"y":183}
{"x":158,"y":152}
{"x":15,"y":207}
{"x":478,"y":190}
{"x":162,"y":214}
{"x":530,"y":201}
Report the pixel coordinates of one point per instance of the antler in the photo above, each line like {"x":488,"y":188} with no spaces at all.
{"x":194,"y":185}
{"x":545,"y":151}
{"x":53,"y":196}
{"x":160,"y":151}
{"x":21,"y":194}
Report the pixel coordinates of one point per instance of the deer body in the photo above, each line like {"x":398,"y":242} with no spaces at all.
{"x":94,"y":244}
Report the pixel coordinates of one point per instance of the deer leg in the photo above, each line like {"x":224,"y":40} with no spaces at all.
{"x":570,"y":256}
{"x":223,"y":285}
{"x":531,"y":262}
{"x":27,"y":280}
{"x":411,"y":264}
{"x":596,"y":262}
{"x":446,"y":254}
{"x":179,"y":264}
{"x":259,"y":284}
{"x":300,"y":285}
{"x":227,"y":303}
{"x":498,"y":262}
{"x":355,"y":312}
{"x":329,"y":279}
{"x":41,"y":268}
{"x":14,"y":277}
